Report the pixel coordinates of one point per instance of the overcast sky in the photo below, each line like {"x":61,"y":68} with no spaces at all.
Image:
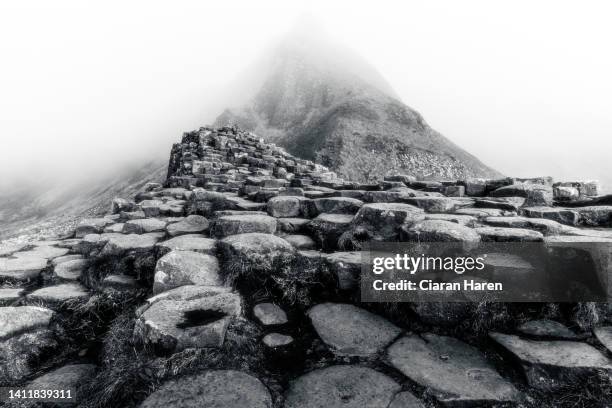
{"x":523,"y":85}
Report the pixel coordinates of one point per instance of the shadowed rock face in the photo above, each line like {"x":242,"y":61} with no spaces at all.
{"x":346,"y":117}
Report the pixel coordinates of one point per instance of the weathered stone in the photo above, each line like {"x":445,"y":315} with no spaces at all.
{"x":596,"y":216}
{"x":24,"y":336}
{"x":345,"y":386}
{"x":144,"y":226}
{"x":545,"y":226}
{"x":119,"y":205}
{"x":8,"y":295}
{"x":275,"y":340}
{"x":293,"y":225}
{"x":255,"y":252}
{"x":45,"y":251}
{"x":59,"y":293}
{"x":546,"y":329}
{"x":484,"y":212}
{"x":346,"y":267}
{"x":438,"y":231}
{"x":212,"y":389}
{"x":119,"y":244}
{"x":349,"y":330}
{"x":70,"y":270}
{"x":337,"y":205}
{"x":91,"y":226}
{"x":554,"y":364}
{"x":496,"y":234}
{"x":189,"y":242}
{"x":453,"y":372}
{"x":604,"y":335}
{"x":327,"y":228}
{"x":187,"y":316}
{"x":561,"y":215}
{"x":502,"y":203}
{"x":119,"y":283}
{"x":115,"y":228}
{"x":436,"y":204}
{"x":269,"y":314}
{"x":9,"y":248}
{"x":192,"y":224}
{"x":286,"y":206}
{"x":178,"y":268}
{"x":68,"y":377}
{"x":243,"y":224}
{"x":301,"y":241}
{"x":405,"y":399}
{"x":21,"y":268}
{"x":467,"y":220}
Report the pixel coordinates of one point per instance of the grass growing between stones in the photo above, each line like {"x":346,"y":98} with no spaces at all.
{"x":129,"y":372}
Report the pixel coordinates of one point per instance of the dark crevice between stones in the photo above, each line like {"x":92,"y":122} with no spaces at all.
{"x":200,"y":317}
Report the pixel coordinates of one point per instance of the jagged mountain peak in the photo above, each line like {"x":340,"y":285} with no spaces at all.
{"x":322,"y":101}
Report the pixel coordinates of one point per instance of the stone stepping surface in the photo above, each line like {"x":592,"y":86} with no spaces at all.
{"x":554,"y":364}
{"x":604,"y":335}
{"x":439,"y":231}
{"x":188,"y":316}
{"x":343,"y":386}
{"x":59,"y":293}
{"x":243,"y":224}
{"x":211,"y":389}
{"x":192,"y":224}
{"x":178,"y":268}
{"x":189,"y":242}
{"x":72,"y":376}
{"x":70,"y":270}
{"x":453,"y":372}
{"x":8,"y":295}
{"x":21,"y":268}
{"x":270,"y":314}
{"x":546,"y":329}
{"x":352,"y":331}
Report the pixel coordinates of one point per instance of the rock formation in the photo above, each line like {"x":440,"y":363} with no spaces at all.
{"x":237,"y":284}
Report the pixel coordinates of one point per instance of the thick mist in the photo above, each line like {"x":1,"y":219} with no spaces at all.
{"x":88,"y":90}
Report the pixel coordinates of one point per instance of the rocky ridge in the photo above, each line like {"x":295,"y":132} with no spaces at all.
{"x":237,"y":284}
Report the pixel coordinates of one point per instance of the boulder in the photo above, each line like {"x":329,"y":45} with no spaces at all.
{"x":59,"y":293}
{"x":502,"y":203}
{"x":211,"y":389}
{"x":192,"y":224}
{"x":243,"y":224}
{"x":293,"y":225}
{"x":545,"y":226}
{"x":337,"y":205}
{"x":21,"y":268}
{"x":118,"y":244}
{"x":379,"y":222}
{"x":178,"y":268}
{"x":119,"y":205}
{"x":550,"y":365}
{"x":286,"y":206}
{"x":596,"y":216}
{"x":254,"y":253}
{"x":341,"y":386}
{"x":25,"y":335}
{"x":484,"y":212}
{"x":70,"y":270}
{"x":270,"y":314}
{"x":187,"y":316}
{"x":276,"y":340}
{"x":327,"y":229}
{"x":69,"y":377}
{"x":91,"y":226}
{"x":436,"y":204}
{"x":438,"y":231}
{"x":604,"y":335}
{"x":561,"y":215}
{"x":405,"y":399}
{"x":467,"y":220}
{"x":9,"y":295}
{"x":345,"y":267}
{"x":453,"y":372}
{"x":143,"y":226}
{"x":301,"y":241}
{"x":351,"y":331}
{"x":189,"y":242}
{"x":545,"y":328}
{"x":44,"y":251}
{"x":9,"y":248}
{"x":497,"y":234}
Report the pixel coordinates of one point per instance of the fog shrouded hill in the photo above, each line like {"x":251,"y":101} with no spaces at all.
{"x":322,"y":102}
